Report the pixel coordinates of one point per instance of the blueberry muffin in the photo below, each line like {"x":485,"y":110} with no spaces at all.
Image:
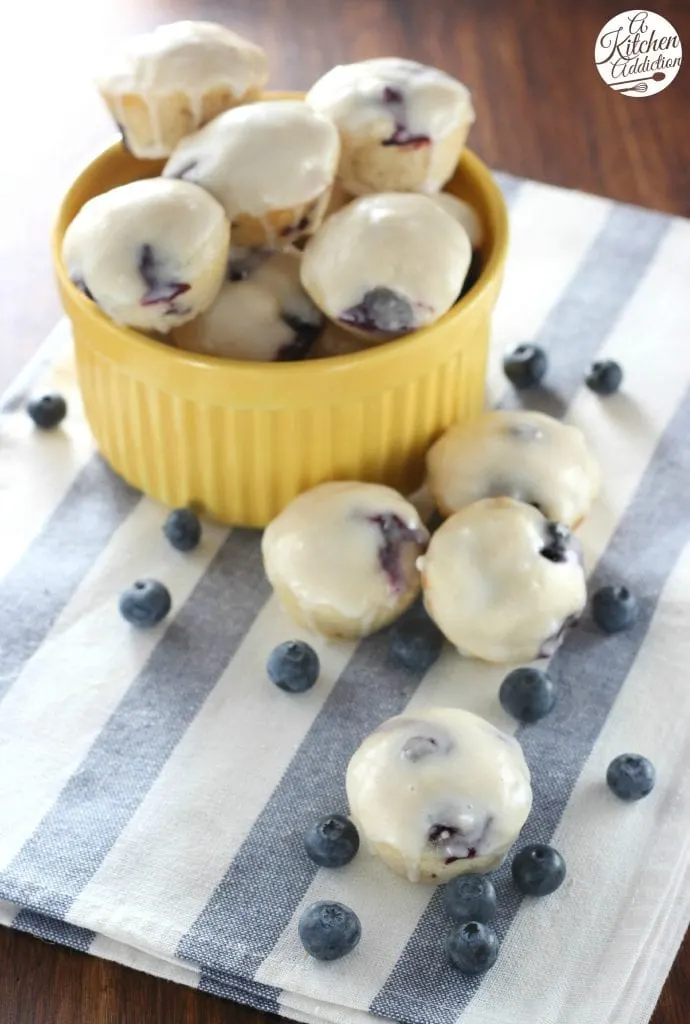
{"x":502,"y":582}
{"x":439,"y":792}
{"x":403,"y":125}
{"x":341,"y":557}
{"x":386,"y":265}
{"x":167,"y":83}
{"x":464,"y":213}
{"x":152,"y":254}
{"x":523,"y":455}
{"x":271,"y":165}
{"x":262,"y":313}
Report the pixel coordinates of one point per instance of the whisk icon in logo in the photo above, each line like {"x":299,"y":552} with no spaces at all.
{"x":638,"y":53}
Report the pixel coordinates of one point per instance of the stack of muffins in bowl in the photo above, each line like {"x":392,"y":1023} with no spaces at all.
{"x":269,"y":290}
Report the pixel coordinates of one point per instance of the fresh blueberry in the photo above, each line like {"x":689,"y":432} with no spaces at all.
{"x":293,"y":666}
{"x":329,"y":930}
{"x":332,"y":842}
{"x":472,"y":947}
{"x":415,"y":641}
{"x":469,"y":898}
{"x":183,"y":529}
{"x":528,"y":694}
{"x":605,"y":377}
{"x":613,"y":608}
{"x":47,"y":411}
{"x":631,"y":776}
{"x":525,"y":366}
{"x":145,"y":603}
{"x":538,"y":870}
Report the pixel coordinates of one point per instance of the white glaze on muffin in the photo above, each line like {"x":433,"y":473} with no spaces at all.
{"x":523,"y":455}
{"x":502,"y":582}
{"x":387,"y":264}
{"x":342,"y":556}
{"x":152,"y":254}
{"x":439,"y":792}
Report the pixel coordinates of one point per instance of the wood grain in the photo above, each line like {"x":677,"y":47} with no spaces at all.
{"x":542,"y":111}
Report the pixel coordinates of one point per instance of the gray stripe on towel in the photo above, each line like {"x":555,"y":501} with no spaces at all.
{"x":51,"y":929}
{"x":248,"y":910}
{"x":71,"y":842}
{"x":36,"y":590}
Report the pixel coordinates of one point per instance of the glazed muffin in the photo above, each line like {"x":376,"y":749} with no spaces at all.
{"x":523,"y":455}
{"x":341,"y":557}
{"x":502,"y":582}
{"x":439,"y":792}
{"x":261,"y":314}
{"x":387,"y":264}
{"x":171,"y":81}
{"x":270,"y":164}
{"x":152,"y":254}
{"x":464,"y":213}
{"x":403,"y":126}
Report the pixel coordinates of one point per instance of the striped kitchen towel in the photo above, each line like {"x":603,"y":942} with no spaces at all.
{"x":154,"y":787}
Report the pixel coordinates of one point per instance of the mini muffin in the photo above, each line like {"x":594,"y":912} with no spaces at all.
{"x":171,"y":81}
{"x":271,"y":165}
{"x":403,"y":125}
{"x":152,"y":254}
{"x":387,"y":264}
{"x":439,"y":792}
{"x":523,"y":455}
{"x":464,"y":213}
{"x":262,"y":313}
{"x":341,"y":557}
{"x":502,"y":582}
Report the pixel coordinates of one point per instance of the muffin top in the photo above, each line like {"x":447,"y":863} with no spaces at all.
{"x":387,"y":263}
{"x":517,"y":454}
{"x":439,"y":782}
{"x":464,"y":213}
{"x":261,"y":157}
{"x":261,"y":314}
{"x":152,"y":253}
{"x":501,"y":581}
{"x":389,"y":98}
{"x":188,"y":57}
{"x":348,"y":545}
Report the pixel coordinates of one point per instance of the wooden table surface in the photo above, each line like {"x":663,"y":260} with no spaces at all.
{"x":542,"y":112}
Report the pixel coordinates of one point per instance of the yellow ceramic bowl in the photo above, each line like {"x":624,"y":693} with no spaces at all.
{"x":239,"y":440}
